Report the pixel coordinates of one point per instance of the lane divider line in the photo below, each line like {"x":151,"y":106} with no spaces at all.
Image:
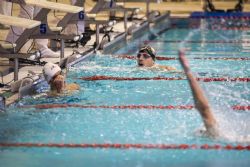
{"x":132,"y":146}
{"x":212,"y":28}
{"x":230,"y":17}
{"x":137,"y":107}
{"x":197,"y":58}
{"x":218,"y":79}
{"x":199,"y":41}
{"x":48,"y":106}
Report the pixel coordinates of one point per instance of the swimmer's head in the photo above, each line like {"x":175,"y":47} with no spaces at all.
{"x":149,"y":50}
{"x":50,"y":71}
{"x":146,"y":56}
{"x":57,"y":84}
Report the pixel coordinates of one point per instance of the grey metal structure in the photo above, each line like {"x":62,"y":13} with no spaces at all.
{"x":112,"y":7}
{"x":147,"y":2}
{"x":41,"y":32}
{"x":9,"y":50}
{"x":73,"y":18}
{"x":12,"y":54}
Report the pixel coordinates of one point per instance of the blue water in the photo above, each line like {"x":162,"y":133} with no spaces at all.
{"x":148,"y":126}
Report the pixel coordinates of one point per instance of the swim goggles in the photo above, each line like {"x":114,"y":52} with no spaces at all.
{"x":144,"y":55}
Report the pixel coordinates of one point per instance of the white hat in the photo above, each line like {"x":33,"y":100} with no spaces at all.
{"x":50,"y":70}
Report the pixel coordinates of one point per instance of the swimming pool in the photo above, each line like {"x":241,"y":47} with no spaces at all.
{"x":125,"y":121}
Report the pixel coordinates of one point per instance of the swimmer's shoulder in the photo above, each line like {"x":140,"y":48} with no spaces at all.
{"x":72,"y":87}
{"x":69,"y":88}
{"x":168,"y":68}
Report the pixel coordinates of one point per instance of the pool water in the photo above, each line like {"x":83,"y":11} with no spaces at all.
{"x":76,"y":125}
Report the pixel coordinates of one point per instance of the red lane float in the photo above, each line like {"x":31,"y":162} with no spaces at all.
{"x":169,"y":107}
{"x":96,"y":78}
{"x":199,"y":41}
{"x":221,"y":79}
{"x":131,"y":146}
{"x":238,"y":107}
{"x":137,"y":107}
{"x":176,"y":58}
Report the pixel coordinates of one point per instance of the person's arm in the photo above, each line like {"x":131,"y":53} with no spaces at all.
{"x":201,"y":102}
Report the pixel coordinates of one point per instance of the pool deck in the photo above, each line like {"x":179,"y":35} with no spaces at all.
{"x":176,"y":9}
{"x":24,"y":71}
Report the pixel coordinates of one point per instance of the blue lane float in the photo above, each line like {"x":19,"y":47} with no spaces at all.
{"x":202,"y":15}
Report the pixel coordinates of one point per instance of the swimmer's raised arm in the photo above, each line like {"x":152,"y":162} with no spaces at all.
{"x":201,"y":102}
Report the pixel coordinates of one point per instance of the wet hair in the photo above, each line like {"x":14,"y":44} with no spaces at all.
{"x":149,"y":50}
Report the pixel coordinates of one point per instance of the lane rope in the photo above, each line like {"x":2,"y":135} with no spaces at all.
{"x":137,"y":107}
{"x":161,"y":58}
{"x":221,"y":17}
{"x":132,"y":146}
{"x":169,"y":107}
{"x":199,"y":41}
{"x":215,"y":27}
{"x":239,"y":107}
{"x":218,"y":79}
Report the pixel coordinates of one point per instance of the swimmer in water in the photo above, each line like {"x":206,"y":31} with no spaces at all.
{"x":200,"y":101}
{"x":146,"y":58}
{"x":53,"y":75}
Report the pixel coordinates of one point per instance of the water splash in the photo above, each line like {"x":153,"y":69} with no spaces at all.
{"x":234,"y":125}
{"x":188,"y":38}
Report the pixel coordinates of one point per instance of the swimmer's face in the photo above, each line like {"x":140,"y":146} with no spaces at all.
{"x":58,"y":83}
{"x":144,"y":60}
